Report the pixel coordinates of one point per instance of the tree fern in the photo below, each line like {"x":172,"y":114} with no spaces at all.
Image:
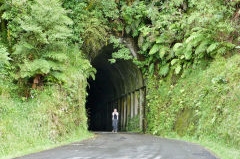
{"x":57,"y":77}
{"x":42,"y":30}
{"x":30,"y":69}
{"x":56,"y":56}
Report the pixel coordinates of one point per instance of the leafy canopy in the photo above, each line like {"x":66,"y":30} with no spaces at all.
{"x":39,"y":30}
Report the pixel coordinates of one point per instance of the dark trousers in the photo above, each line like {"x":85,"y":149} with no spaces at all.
{"x":115,"y":125}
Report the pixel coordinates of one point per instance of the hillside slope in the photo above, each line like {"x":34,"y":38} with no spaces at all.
{"x":203,"y":103}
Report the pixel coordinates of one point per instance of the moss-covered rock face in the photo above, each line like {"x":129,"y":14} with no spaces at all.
{"x":185,"y":122}
{"x":203,"y":103}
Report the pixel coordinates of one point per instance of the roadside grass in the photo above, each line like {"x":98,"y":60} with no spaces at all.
{"x":219,"y":149}
{"x":37,"y":124}
{"x":42,"y":145}
{"x":24,"y":129}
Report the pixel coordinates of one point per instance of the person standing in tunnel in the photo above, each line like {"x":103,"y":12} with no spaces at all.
{"x":115,"y":120}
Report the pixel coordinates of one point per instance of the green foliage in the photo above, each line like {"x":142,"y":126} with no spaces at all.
{"x":164,"y":70}
{"x":52,"y":115}
{"x":134,"y":17}
{"x":122,"y":51}
{"x":203,"y":104}
{"x":50,"y":39}
{"x":39,"y":29}
{"x":5,"y":74}
{"x":40,"y":122}
{"x":40,"y":45}
{"x":95,"y":37}
{"x":133,"y":124}
{"x":4,"y":59}
{"x":186,"y":31}
{"x":91,"y":26}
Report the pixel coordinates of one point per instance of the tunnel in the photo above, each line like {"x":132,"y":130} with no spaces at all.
{"x":119,"y":85}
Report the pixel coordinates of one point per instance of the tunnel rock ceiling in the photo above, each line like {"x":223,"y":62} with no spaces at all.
{"x":112,"y":82}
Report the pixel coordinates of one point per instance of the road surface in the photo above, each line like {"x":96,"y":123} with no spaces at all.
{"x":125,"y":146}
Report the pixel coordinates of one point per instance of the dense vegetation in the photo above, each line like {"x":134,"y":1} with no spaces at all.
{"x":43,"y":77}
{"x":203,"y":105}
{"x":187,"y":51}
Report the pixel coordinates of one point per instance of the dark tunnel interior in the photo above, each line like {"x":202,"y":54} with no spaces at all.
{"x":112,"y":81}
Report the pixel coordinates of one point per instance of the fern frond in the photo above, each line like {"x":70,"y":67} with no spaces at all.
{"x":56,"y":56}
{"x":55,"y":66}
{"x":160,"y":40}
{"x":193,"y":36}
{"x":128,"y":29}
{"x":188,"y":51}
{"x":195,"y":42}
{"x":212,"y":47}
{"x":174,"y":61}
{"x":202,"y":48}
{"x":178,"y":49}
{"x":188,"y":54}
{"x":29,"y":69}
{"x":22,"y":47}
{"x":229,"y":45}
{"x":4,"y":59}
{"x":146,"y":45}
{"x":57,"y":76}
{"x":154,"y":49}
{"x":177,"y":46}
{"x":163,"y":51}
{"x":222,"y":50}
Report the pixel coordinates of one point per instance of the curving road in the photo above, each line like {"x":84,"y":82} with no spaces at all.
{"x":125,"y":146}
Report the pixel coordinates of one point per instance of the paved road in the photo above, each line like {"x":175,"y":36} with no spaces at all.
{"x":125,"y":146}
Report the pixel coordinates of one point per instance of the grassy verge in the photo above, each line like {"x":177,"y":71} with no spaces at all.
{"x":40,"y":146}
{"x":219,"y":149}
{"x":38,"y":123}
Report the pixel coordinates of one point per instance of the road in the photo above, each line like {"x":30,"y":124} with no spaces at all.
{"x":125,"y":146}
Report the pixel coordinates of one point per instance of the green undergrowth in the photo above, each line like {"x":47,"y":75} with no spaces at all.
{"x":133,"y":124}
{"x":217,"y":148}
{"x":204,"y":104}
{"x":44,"y":121}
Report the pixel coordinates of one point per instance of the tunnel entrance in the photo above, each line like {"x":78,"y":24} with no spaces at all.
{"x":119,"y":85}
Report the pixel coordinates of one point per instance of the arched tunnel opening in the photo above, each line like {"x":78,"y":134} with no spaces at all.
{"x":119,"y":85}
